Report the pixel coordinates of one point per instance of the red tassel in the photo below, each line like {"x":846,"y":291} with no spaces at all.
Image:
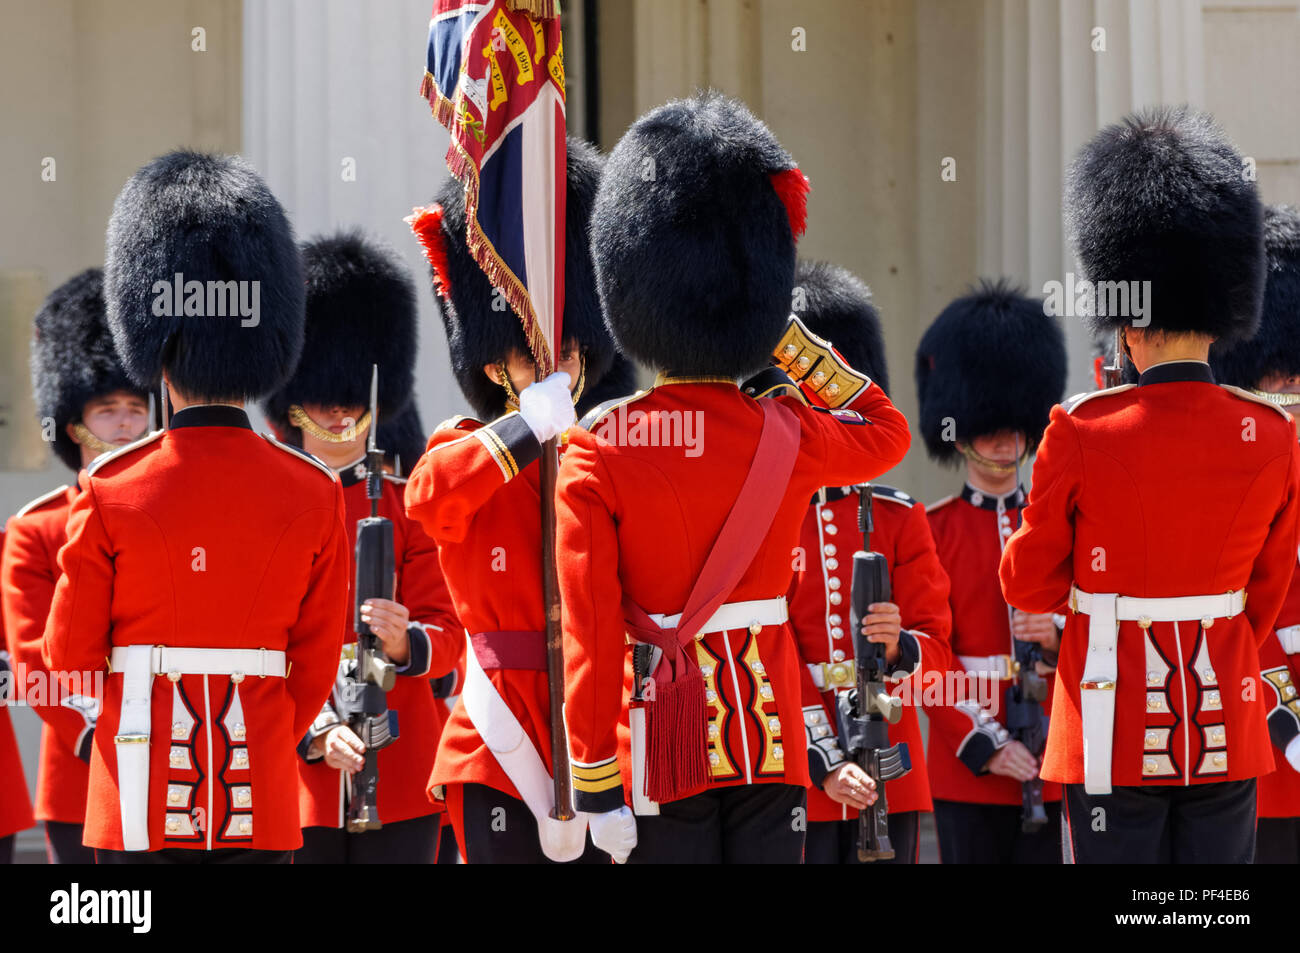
{"x":426,"y":223}
{"x":676,"y":740}
{"x":791,"y":187}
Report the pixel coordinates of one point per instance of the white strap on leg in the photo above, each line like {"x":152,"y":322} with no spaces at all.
{"x":505,"y":737}
{"x":132,"y":743}
{"x":642,"y":806}
{"x":1097,"y":693}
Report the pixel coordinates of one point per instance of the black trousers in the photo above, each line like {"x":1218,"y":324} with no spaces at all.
{"x":175,"y":855}
{"x":448,"y":849}
{"x":836,"y":842}
{"x":7,"y":849}
{"x":413,"y":841}
{"x":1277,"y":840}
{"x":750,"y":824}
{"x":990,"y":834}
{"x":499,"y":829}
{"x":1164,"y":824}
{"x":63,"y":844}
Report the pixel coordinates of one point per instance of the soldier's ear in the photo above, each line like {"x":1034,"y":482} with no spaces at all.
{"x":493,"y":372}
{"x":70,"y":429}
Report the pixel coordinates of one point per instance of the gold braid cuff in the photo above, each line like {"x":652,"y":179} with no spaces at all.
{"x":299,"y":418}
{"x":90,"y":441}
{"x":970,"y":454}
{"x":1275,"y":397}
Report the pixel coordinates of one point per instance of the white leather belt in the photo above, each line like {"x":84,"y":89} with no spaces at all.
{"x":1289,"y":636}
{"x":165,"y":660}
{"x":1105,"y":612}
{"x":828,"y":675}
{"x":138,"y":664}
{"x":991,"y":666}
{"x":735,"y":615}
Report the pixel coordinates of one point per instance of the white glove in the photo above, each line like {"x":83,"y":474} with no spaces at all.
{"x":547,"y":406}
{"x":614,"y":832}
{"x":1293,"y":752}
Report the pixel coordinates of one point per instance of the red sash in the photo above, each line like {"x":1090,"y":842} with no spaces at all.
{"x":676,"y":738}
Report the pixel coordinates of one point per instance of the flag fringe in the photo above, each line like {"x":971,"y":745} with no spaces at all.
{"x":443,"y":109}
{"x":537,"y":9}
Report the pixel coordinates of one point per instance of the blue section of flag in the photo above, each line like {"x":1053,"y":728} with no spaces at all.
{"x":446,"y":40}
{"x":500,"y":201}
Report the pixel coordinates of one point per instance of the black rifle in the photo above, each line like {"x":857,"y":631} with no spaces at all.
{"x":866,"y":712}
{"x":1026,"y":719}
{"x":360,"y":690}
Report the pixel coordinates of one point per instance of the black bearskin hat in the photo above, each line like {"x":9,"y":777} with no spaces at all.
{"x":481,"y":326}
{"x":360,"y":312}
{"x":992,"y":360}
{"x":73,"y":358}
{"x":619,"y":381}
{"x":836,"y":306}
{"x":1160,"y":196}
{"x":210,"y":223}
{"x":402,"y":438}
{"x":694,"y":238}
{"x":1275,"y":348}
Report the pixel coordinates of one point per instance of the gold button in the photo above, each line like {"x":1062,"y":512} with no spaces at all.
{"x":834,"y":618}
{"x":1216,"y":736}
{"x":1207,"y":621}
{"x":706,"y":671}
{"x":1284,"y":677}
{"x":815,"y":718}
{"x":757,"y":666}
{"x":774,"y":725}
{"x":237,"y":731}
{"x":1144,"y":621}
{"x":174,"y":797}
{"x":778,"y":753}
{"x":817,"y":378}
{"x":1207,"y":674}
{"x":804,"y":362}
{"x":832,"y":530}
{"x":713,"y":731}
{"x":791,"y":350}
{"x":832,"y":389}
{"x":1288,"y":691}
{"x":833,"y":583}
{"x":173,"y":825}
{"x":174,"y":676}
{"x":835,"y":598}
{"x":832,"y":563}
{"x":1149,"y":766}
{"x":237,"y":677}
{"x":755,"y":628}
{"x":177,"y":759}
{"x":827,"y":515}
{"x":1220,"y":760}
{"x":1152,"y":739}
{"x":713,"y":758}
{"x":1214,"y":698}
{"x":241,"y":758}
{"x":710,"y":696}
{"x":1154,"y":703}
{"x":829,"y":549}
{"x":766,"y":692}
{"x":179,"y":730}
{"x":837,"y":633}
{"x":837,"y":655}
{"x":1154,"y":678}
{"x":245,"y":826}
{"x":243,"y":797}
{"x":699,"y":636}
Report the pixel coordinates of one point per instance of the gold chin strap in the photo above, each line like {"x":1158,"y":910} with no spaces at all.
{"x":90,"y":441}
{"x":299,"y":418}
{"x":512,"y":398}
{"x":969,"y":453}
{"x":1276,"y":397}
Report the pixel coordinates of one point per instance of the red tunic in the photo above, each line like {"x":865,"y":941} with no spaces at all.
{"x":208,"y":536}
{"x":1173,"y":487}
{"x":819,"y":617}
{"x":15,"y":805}
{"x":637,"y":517}
{"x":436,"y":645}
{"x":475,"y":491}
{"x":970,"y":531}
{"x":1278,"y":794}
{"x":27,"y":579}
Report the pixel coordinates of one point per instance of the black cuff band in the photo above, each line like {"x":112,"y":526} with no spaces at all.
{"x":512,"y":443}
{"x":417,"y":665}
{"x":610,"y":799}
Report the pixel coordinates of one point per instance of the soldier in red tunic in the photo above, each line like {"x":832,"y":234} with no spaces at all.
{"x":836,"y":306}
{"x":988,"y":371}
{"x":361,"y":314}
{"x":206,"y":564}
{"x":83,"y":392}
{"x":1268,"y":365}
{"x":1159,"y":507}
{"x":15,"y":804}
{"x":475,"y":491}
{"x":679,"y":509}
